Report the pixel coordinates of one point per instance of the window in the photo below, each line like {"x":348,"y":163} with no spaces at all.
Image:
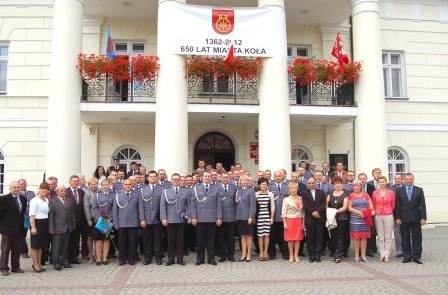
{"x":397,"y":162}
{"x":299,"y":154}
{"x":127,"y":155}
{"x":298,"y":51}
{"x":394,"y":75}
{"x":2,"y":172}
{"x":301,"y":92}
{"x":4,"y":49}
{"x":129,"y":47}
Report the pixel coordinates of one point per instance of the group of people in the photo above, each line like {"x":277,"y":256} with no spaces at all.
{"x":205,"y":211}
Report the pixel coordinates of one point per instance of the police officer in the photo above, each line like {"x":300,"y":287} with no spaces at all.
{"x":225,"y":233}
{"x":149,"y":212}
{"x":173,"y":214}
{"x":125,"y":219}
{"x":279,"y":187}
{"x":206,"y":214}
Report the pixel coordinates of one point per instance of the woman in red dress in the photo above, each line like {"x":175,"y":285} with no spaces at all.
{"x":292,"y":214}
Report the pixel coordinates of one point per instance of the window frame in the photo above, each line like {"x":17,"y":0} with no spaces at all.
{"x":128,"y":161}
{"x":294,"y":48}
{"x":395,"y":162}
{"x":297,"y":161}
{"x":5,"y":59}
{"x":129,"y":47}
{"x":388,"y":66}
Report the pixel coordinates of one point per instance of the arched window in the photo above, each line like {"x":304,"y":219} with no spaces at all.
{"x":397,"y":162}
{"x":127,"y":155}
{"x":299,"y":154}
{"x":2,"y":172}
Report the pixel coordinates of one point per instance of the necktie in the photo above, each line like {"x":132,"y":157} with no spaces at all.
{"x":152,"y":187}
{"x":409,"y":192}
{"x":127,"y":194}
{"x":75,"y":193}
{"x":206,"y":188}
{"x":279,"y":187}
{"x":225,"y":188}
{"x":19,"y":203}
{"x":318,"y":185}
{"x":177,"y":191}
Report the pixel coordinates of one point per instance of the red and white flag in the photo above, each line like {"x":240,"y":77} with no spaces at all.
{"x":338,"y":50}
{"x":230,"y":55}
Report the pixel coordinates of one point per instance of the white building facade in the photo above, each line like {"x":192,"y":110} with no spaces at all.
{"x":395,"y":118}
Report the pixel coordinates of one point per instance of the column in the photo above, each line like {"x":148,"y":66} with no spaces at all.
{"x":89,"y":148}
{"x":63,"y":156}
{"x":171,"y":131}
{"x":370,"y":131}
{"x":273,"y":120}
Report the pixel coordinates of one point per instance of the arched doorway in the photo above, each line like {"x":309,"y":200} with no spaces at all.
{"x":214,"y":147}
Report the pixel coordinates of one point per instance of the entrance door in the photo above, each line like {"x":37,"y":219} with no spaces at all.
{"x":214,"y":147}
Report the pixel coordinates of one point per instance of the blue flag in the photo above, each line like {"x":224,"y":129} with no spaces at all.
{"x":109,"y":45}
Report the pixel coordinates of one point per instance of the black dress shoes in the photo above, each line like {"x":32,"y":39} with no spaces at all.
{"x":121,"y":263}
{"x":58,"y":268}
{"x":75,"y":261}
{"x":370,"y":254}
{"x":418,"y":261}
{"x":311,"y":259}
{"x":169,"y":262}
{"x":212,"y":262}
{"x":222,"y":259}
{"x":25,"y":255}
{"x":68,"y":265}
{"x":199,"y":263}
{"x":181,"y":262}
{"x":232,"y":259}
{"x":159,"y":261}
{"x":131,"y":262}
{"x":18,"y":270}
{"x":317,"y":259}
{"x":406,"y":260}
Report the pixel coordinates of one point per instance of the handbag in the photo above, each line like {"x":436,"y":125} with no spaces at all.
{"x":104,"y":225}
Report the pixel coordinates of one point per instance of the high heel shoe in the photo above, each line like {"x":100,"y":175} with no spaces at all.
{"x":243,"y":259}
{"x":37,"y":270}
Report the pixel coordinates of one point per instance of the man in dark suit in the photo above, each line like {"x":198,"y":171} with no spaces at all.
{"x":76,"y":195}
{"x":372,"y":185}
{"x":410,"y":213}
{"x":398,"y":182}
{"x":134,"y":170}
{"x":12,"y":209}
{"x":314,"y":204}
{"x":61,"y":222}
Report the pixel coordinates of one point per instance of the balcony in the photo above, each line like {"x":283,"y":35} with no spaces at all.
{"x":319,"y":94}
{"x":223,"y":90}
{"x":105,"y":89}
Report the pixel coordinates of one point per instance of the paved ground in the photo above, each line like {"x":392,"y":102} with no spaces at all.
{"x":273,"y":277}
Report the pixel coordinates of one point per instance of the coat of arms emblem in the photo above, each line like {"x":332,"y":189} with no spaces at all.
{"x":223,"y":21}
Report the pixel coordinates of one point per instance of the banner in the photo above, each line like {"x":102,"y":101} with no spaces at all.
{"x":203,"y":30}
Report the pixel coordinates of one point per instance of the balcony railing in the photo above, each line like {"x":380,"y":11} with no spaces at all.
{"x":222,"y":90}
{"x":105,"y":89}
{"x":319,"y":94}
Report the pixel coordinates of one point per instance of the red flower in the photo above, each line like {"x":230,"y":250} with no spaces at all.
{"x":118,"y":68}
{"x":326,"y":72}
{"x":144,"y":67}
{"x":303,"y":71}
{"x":246,"y":68}
{"x":91,"y":66}
{"x":350,"y":72}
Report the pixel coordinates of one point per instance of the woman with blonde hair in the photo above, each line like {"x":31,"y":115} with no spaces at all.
{"x":293,"y":221}
{"x":361,"y":211}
